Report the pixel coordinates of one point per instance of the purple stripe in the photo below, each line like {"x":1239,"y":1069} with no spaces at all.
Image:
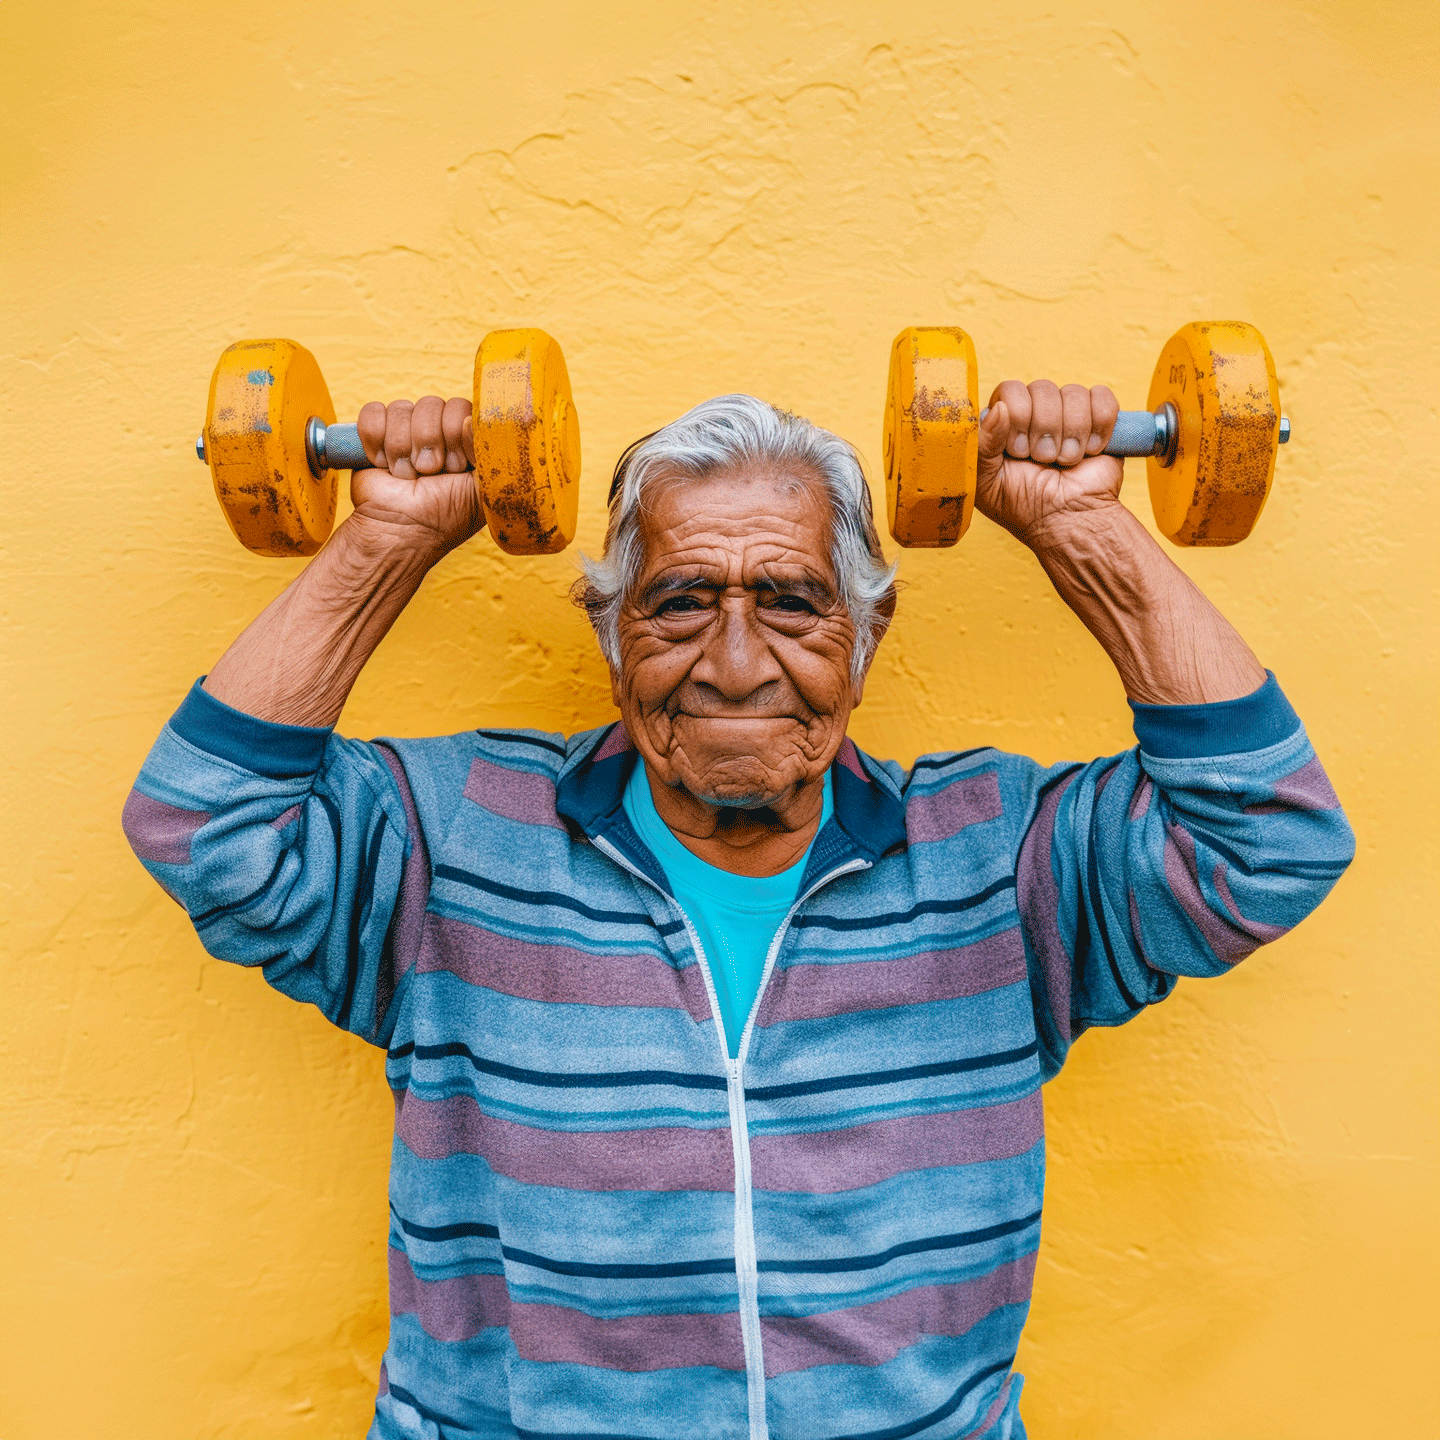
{"x":285,"y":817}
{"x":1258,"y":928}
{"x":558,"y":1334}
{"x":617,"y":742}
{"x":670,"y":1158}
{"x":453,"y":1309}
{"x":1140,"y":801}
{"x":159,"y":832}
{"x":1308,"y":788}
{"x":849,"y":757}
{"x":993,"y":1413}
{"x":824,"y":1162}
{"x":513,"y":794}
{"x":1038,"y":899}
{"x":1229,"y":943}
{"x":876,"y":1333}
{"x":970,"y":801}
{"x":811,"y":992}
{"x":407,"y":924}
{"x":558,"y":975}
{"x":1105,"y":777}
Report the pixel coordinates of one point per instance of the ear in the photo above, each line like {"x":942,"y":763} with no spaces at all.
{"x":615,"y":687}
{"x":884,"y":614}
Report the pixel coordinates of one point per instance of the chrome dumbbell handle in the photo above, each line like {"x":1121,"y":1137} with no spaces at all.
{"x":334,"y":447}
{"x":1153,"y":432}
{"x":327,"y":447}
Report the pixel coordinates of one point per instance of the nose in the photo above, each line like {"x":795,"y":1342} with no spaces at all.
{"x":737,"y":661}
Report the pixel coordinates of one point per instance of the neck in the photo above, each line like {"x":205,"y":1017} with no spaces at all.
{"x":760,"y":841}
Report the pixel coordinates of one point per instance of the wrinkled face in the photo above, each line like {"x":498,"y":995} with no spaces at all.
{"x":735,"y":646}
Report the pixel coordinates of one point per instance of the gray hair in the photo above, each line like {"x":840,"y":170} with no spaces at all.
{"x":722,"y":434}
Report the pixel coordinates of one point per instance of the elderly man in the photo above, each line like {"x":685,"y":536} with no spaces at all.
{"x":716,"y":1044}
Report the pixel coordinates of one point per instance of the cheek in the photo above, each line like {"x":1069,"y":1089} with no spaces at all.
{"x":650,"y":672}
{"x":820,"y":671}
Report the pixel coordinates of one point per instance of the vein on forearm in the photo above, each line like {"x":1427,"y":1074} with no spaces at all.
{"x":1169,"y":643}
{"x":297,"y":662}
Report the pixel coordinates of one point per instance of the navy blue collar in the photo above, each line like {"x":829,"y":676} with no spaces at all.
{"x":869,"y":816}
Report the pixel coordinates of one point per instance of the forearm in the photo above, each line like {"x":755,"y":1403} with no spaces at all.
{"x":297,"y":661}
{"x":1169,"y":643}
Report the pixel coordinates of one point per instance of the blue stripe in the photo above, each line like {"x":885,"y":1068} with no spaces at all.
{"x":551,"y":897}
{"x":907,"y":1247}
{"x":938,"y":762}
{"x":465,"y":1230}
{"x":434,"y":1416}
{"x":601,"y":1079}
{"x":914,"y":1427}
{"x":890,"y":1077}
{"x":205,"y":917}
{"x":901,"y":917}
{"x":620,"y":1272}
{"x":514,"y":737}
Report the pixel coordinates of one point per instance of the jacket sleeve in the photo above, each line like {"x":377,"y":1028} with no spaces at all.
{"x":291,"y":849}
{"x":1219,"y":832}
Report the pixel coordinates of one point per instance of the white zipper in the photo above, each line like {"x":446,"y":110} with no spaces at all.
{"x":747,"y":1271}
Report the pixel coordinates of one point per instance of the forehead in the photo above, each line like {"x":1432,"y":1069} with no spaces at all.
{"x":767,"y":513}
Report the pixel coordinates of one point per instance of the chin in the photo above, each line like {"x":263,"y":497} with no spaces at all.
{"x":740,"y":800}
{"x":740,"y":784}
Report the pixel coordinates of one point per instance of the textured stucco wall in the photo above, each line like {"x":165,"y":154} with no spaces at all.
{"x":1240,"y":1236}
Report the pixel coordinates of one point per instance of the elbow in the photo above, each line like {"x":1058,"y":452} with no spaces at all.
{"x":158,"y":833}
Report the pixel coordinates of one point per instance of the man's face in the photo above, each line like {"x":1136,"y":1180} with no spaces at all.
{"x":735,"y":646}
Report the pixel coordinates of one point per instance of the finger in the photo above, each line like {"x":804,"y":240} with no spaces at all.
{"x":371,"y":428}
{"x":397,"y":439}
{"x":467,"y":438}
{"x":427,"y":435}
{"x":1046,"y":421}
{"x":1074,"y":423}
{"x":994,"y":431}
{"x":452,"y":423}
{"x":1104,"y":411}
{"x":1016,"y":400}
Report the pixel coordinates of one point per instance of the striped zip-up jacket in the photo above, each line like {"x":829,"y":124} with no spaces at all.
{"x":603,"y":1226}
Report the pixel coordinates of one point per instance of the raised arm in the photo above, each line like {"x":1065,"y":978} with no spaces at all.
{"x":294,"y":850}
{"x":296,"y":663}
{"x":1042,"y":476}
{"x":1220,"y":831}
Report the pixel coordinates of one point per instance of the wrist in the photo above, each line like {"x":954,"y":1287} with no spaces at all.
{"x":1098,"y":530}
{"x":373,"y":545}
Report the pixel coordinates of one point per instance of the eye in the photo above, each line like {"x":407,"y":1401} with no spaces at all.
{"x":790,"y":605}
{"x":679,"y":605}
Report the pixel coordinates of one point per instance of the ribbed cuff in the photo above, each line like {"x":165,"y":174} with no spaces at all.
{"x":1228,"y":727}
{"x":282,"y":752}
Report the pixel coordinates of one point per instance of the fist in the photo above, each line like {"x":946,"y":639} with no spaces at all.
{"x":1040,"y":456}
{"x":420,"y":487}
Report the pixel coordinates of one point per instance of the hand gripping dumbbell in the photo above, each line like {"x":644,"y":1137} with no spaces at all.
{"x":274,"y":448}
{"x":1210,"y":434}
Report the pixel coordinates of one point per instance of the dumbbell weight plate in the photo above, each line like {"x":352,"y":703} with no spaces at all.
{"x":931,"y":436}
{"x":527,"y":442}
{"x":261,"y":395}
{"x":1221,"y":380}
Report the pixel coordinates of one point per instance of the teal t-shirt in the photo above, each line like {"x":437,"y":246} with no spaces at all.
{"x":736,"y":915}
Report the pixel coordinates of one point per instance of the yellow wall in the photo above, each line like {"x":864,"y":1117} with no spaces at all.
{"x":1240,"y":1236}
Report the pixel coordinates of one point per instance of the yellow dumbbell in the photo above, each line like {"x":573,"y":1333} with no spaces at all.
{"x":274,"y":449}
{"x":1210,"y":434}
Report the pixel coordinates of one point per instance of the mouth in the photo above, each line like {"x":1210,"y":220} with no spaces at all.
{"x":783,"y":719}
